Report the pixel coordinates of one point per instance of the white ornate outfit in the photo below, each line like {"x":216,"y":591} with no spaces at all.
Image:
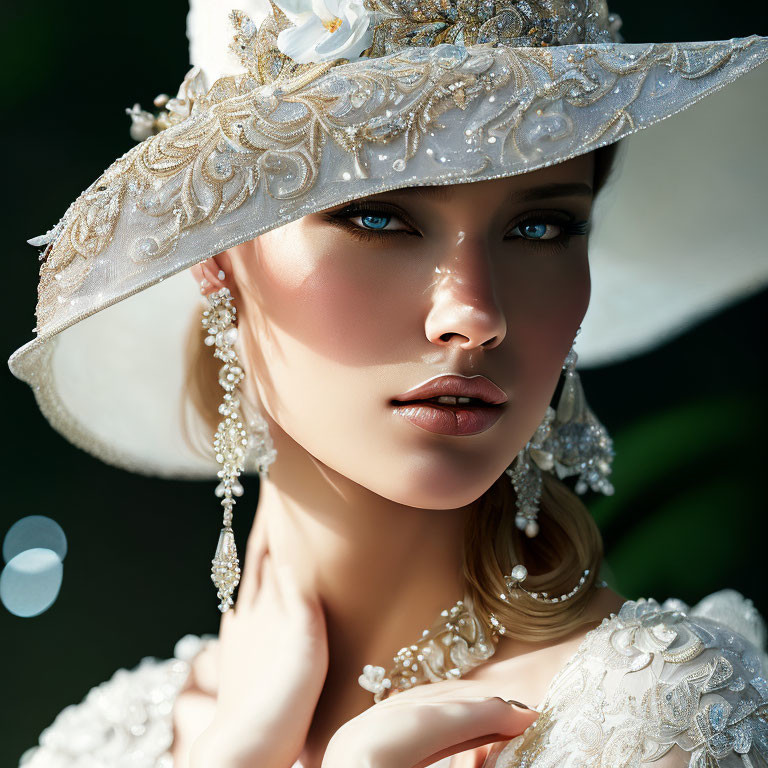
{"x":650,"y":679}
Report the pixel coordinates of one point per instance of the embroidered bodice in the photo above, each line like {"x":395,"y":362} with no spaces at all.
{"x":659,"y":684}
{"x":662,"y":683}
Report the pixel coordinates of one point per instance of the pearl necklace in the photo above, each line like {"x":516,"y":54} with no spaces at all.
{"x":455,"y":644}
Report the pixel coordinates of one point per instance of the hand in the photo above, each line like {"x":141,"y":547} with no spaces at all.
{"x":273,"y":659}
{"x":422,"y":725}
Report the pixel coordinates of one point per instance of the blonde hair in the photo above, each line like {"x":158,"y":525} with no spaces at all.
{"x":199,"y":418}
{"x":568,"y":543}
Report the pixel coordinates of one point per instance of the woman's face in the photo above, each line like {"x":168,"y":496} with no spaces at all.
{"x":341,"y":311}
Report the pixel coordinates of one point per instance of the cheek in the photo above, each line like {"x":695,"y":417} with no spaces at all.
{"x":337,"y":303}
{"x":332,"y":336}
{"x":545,"y":297}
{"x":330,"y":318}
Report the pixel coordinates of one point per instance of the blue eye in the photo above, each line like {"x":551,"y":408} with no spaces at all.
{"x":534,"y":230}
{"x":537,"y":230}
{"x":371,"y":220}
{"x":375,"y":222}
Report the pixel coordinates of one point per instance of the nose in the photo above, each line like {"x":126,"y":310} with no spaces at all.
{"x":465,"y":310}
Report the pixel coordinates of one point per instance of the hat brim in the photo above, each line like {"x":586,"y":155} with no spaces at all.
{"x":107,"y":366}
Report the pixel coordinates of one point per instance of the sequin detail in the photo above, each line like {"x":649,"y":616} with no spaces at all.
{"x":400,"y":24}
{"x":249,"y":155}
{"x":653,"y":680}
{"x":616,"y":704}
{"x":124,"y":720}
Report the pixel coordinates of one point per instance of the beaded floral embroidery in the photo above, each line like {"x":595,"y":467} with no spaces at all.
{"x":653,"y":679}
{"x":648,"y":680}
{"x":398,"y":24}
{"x":243,"y":139}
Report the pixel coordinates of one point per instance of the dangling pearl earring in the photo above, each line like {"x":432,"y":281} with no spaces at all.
{"x":569,"y":441}
{"x":232,"y":443}
{"x":230,"y":440}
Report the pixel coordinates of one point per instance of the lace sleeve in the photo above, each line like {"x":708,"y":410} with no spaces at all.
{"x":124,"y":721}
{"x":664,"y":686}
{"x":715,"y":703}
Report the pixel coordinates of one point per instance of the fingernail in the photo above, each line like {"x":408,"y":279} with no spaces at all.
{"x":518,"y":704}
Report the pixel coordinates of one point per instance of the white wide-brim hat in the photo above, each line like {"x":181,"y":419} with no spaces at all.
{"x":677,"y":234}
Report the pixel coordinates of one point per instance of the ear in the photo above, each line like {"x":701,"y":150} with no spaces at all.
{"x":213,"y":274}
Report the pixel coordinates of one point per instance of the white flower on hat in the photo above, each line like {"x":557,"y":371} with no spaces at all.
{"x":325,"y":30}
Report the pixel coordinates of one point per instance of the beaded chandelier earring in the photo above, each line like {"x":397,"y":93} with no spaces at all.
{"x":569,"y":441}
{"x":232,"y":443}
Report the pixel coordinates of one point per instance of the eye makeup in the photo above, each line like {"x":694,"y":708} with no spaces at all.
{"x":568,"y":225}
{"x":384,"y":213}
{"x":363,"y":208}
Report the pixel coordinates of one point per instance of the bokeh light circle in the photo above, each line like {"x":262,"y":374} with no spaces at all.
{"x":30,"y":582}
{"x":33,"y":532}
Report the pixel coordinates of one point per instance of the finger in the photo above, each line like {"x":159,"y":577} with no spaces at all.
{"x":267,"y":573}
{"x":288,"y":588}
{"x":282,"y":579}
{"x":259,"y":584}
{"x":281,"y":573}
{"x":302,"y":606}
{"x":437,"y":691}
{"x":255,"y":549}
{"x":463,"y":747}
{"x":226,"y":622}
{"x":447,"y":726}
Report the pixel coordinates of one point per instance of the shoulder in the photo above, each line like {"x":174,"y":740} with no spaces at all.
{"x":129,"y":714}
{"x":659,"y":682}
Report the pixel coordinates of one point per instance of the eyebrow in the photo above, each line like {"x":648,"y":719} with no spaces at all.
{"x":521,"y":196}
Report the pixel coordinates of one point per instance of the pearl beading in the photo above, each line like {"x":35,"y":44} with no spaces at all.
{"x":569,"y":441}
{"x":230,"y":440}
{"x":455,"y":644}
{"x":514,"y":587}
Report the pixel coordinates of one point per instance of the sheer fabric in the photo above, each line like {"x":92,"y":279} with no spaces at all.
{"x":656,"y":684}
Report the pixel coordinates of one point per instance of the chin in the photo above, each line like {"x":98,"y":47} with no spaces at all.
{"x":429,"y":482}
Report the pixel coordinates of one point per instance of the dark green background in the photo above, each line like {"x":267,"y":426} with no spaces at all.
{"x":689,"y":420}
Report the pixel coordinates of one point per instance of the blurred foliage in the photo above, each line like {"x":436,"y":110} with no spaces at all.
{"x":682,"y":506}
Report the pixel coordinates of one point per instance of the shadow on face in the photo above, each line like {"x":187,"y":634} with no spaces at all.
{"x":344,"y":309}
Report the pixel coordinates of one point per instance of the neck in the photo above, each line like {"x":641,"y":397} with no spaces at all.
{"x":383,"y":571}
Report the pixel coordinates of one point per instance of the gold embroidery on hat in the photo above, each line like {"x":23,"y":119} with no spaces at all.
{"x":241,"y":137}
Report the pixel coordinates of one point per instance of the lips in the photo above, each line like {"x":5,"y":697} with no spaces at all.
{"x":479,"y":413}
{"x":476,"y":387}
{"x":464,"y":419}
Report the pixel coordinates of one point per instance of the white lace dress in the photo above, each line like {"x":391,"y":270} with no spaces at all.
{"x":663,"y":685}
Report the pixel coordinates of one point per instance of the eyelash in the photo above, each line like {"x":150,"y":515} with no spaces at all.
{"x":568,"y":227}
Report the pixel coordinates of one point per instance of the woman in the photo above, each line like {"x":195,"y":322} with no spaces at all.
{"x":345,"y":521}
{"x":358,"y":262}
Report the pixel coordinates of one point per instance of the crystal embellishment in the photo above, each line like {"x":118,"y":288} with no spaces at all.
{"x":455,"y":644}
{"x":226,"y":568}
{"x":513,"y":588}
{"x":569,"y":441}
{"x":230,"y":441}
